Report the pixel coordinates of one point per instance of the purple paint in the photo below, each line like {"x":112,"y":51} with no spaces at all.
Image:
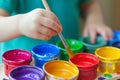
{"x":27,"y":73}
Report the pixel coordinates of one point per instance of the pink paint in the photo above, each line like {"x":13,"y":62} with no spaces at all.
{"x":14,"y":58}
{"x":87,"y":64}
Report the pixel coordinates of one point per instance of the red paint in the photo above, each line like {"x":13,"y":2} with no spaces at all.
{"x":118,"y":73}
{"x":14,"y":58}
{"x":87,"y":64}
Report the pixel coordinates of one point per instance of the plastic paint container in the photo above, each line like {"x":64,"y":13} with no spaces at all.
{"x":75,"y":45}
{"x":26,"y":73}
{"x":116,"y":34}
{"x":109,"y":59}
{"x":87,"y":64}
{"x":43,"y":53}
{"x":116,"y":37}
{"x":91,"y":47}
{"x":60,"y":70}
{"x":14,"y":58}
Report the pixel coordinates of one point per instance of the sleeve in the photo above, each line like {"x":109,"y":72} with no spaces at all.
{"x":8,"y":5}
{"x":85,"y":1}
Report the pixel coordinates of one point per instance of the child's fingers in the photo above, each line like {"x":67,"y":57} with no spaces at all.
{"x":50,"y":24}
{"x":104,"y":35}
{"x":93,"y":34}
{"x":40,"y":36}
{"x":47,"y":31}
{"x":85,"y":33}
{"x":110,"y":34}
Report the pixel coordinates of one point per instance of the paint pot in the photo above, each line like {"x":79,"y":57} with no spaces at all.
{"x":91,"y":47}
{"x":75,"y":45}
{"x":43,"y":53}
{"x":60,"y":70}
{"x":116,"y":44}
{"x":26,"y":73}
{"x":116,"y":38}
{"x":109,"y":59}
{"x":87,"y":64}
{"x":14,"y":58}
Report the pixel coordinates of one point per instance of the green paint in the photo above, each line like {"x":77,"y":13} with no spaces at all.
{"x":107,"y":75}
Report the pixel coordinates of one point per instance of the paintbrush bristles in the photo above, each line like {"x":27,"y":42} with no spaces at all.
{"x":70,"y":54}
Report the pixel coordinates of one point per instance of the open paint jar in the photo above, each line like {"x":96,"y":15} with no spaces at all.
{"x":43,"y":53}
{"x":14,"y":58}
{"x":91,"y":47}
{"x":109,"y":59}
{"x":75,"y":46}
{"x":87,"y":64}
{"x":116,"y":38}
{"x":26,"y":73}
{"x":60,"y":70}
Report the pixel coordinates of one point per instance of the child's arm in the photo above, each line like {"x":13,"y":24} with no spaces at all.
{"x":94,"y":22}
{"x":38,"y":24}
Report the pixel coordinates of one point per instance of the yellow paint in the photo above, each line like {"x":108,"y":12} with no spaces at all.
{"x":113,"y":66}
{"x":109,"y":59}
{"x":107,"y":67}
{"x":61,"y":69}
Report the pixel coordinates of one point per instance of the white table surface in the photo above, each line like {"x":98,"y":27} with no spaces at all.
{"x":2,"y":75}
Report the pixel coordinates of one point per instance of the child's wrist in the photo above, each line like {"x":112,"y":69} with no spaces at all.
{"x":19,"y":23}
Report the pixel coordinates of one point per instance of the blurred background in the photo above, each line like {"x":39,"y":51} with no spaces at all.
{"x":111,"y":12}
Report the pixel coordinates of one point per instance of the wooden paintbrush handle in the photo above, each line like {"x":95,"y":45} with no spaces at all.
{"x":60,"y":35}
{"x":46,"y":5}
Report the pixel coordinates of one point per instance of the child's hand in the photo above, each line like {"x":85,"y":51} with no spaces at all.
{"x":92,"y":29}
{"x":39,"y":24}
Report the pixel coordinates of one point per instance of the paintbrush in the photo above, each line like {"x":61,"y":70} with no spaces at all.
{"x":70,"y":54}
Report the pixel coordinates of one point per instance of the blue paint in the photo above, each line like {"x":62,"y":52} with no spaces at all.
{"x":27,"y":73}
{"x":43,"y":53}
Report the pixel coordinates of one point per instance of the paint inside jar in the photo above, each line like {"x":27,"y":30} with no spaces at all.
{"x":109,"y":59}
{"x":43,"y":53}
{"x":14,"y":58}
{"x":61,"y":72}
{"x":74,"y":45}
{"x":84,"y":60}
{"x":61,"y":69}
{"x":26,"y":73}
{"x":87,"y":64}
